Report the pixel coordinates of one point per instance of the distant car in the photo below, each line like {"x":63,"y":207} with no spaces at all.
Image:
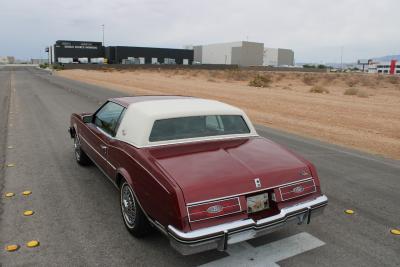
{"x":196,"y":170}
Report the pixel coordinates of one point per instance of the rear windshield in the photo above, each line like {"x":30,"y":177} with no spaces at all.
{"x":197,"y":126}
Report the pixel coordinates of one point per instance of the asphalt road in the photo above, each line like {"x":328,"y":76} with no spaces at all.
{"x":77,"y":218}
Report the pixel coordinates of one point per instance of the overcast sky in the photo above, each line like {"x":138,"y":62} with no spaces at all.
{"x":314,"y":29}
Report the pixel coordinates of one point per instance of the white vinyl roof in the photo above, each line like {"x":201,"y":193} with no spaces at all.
{"x":138,"y":120}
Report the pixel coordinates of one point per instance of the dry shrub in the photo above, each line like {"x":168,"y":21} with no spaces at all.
{"x":319,"y":89}
{"x":351,"y":91}
{"x":109,"y":69}
{"x":351,"y":82}
{"x":287,"y":88}
{"x":379,"y":78}
{"x":368,"y":81}
{"x":237,"y":75}
{"x":362,"y":94}
{"x":261,"y":81}
{"x":279,"y":76}
{"x":329,"y":77}
{"x":193,"y":73}
{"x":394,"y":80}
{"x":211,"y":80}
{"x":213,"y":73}
{"x":309,"y":79}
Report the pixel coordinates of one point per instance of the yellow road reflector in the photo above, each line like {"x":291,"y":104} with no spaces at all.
{"x":349,"y":211}
{"x":32,"y":244}
{"x":395,"y":231}
{"x":11,"y":248}
{"x":27,"y":192}
{"x":10,"y":165}
{"x":10,"y":194}
{"x":28,"y":212}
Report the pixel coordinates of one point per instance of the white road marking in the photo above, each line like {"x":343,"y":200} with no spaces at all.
{"x":243,"y":254}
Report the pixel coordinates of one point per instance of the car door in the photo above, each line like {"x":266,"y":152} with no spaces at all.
{"x":103,"y":130}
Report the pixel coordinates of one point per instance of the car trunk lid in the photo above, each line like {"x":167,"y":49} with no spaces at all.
{"x":216,"y":169}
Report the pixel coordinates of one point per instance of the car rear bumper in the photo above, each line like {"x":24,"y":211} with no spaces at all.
{"x":220,"y":236}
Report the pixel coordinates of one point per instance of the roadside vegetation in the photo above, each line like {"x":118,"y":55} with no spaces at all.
{"x":343,"y":108}
{"x":319,"y":89}
{"x":260,"y":81}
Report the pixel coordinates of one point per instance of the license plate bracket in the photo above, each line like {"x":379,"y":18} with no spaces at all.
{"x":257,"y":203}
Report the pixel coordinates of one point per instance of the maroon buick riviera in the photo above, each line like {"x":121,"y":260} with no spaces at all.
{"x":196,"y":170}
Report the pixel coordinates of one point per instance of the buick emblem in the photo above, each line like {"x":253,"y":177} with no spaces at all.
{"x":298,"y":189}
{"x":304,"y":173}
{"x":257,"y":182}
{"x":215,"y":209}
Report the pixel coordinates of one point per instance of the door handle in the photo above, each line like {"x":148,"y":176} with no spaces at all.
{"x":104,"y":148}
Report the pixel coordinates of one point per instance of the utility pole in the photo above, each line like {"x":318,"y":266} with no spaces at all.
{"x":102,"y":25}
{"x":341,"y":58}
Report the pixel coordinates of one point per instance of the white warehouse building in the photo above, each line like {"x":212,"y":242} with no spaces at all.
{"x":278,"y":57}
{"x":241,"y":53}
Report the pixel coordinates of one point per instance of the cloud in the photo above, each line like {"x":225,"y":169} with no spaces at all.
{"x":314,"y":29}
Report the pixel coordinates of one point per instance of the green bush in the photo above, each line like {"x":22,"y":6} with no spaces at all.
{"x":44,"y":65}
{"x":57,"y":67}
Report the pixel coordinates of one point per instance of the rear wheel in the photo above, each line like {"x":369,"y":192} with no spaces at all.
{"x":80,"y":155}
{"x":134,"y":218}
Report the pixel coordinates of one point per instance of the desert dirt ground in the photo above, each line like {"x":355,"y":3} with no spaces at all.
{"x":356,"y":110}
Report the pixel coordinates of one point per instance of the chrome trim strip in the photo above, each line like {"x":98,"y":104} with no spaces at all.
{"x":249,"y":192}
{"x":155,"y":223}
{"x":105,"y":133}
{"x":194,"y":140}
{"x":132,"y":159}
{"x":238,"y":200}
{"x":144,"y":169}
{"x":105,"y":174}
{"x":112,"y":166}
{"x":243,"y":225}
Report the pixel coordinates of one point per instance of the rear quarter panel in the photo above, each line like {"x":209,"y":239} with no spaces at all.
{"x":160,"y":198}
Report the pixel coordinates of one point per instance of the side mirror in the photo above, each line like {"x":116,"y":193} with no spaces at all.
{"x":87,"y":118}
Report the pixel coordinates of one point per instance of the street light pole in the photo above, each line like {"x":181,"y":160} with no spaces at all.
{"x":341,"y":58}
{"x":102,"y":25}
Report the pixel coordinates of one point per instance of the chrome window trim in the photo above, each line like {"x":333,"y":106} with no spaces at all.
{"x":195,"y":140}
{"x":249,"y":192}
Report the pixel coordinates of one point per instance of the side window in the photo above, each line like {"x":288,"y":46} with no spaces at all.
{"x":108,"y":117}
{"x":213,"y":123}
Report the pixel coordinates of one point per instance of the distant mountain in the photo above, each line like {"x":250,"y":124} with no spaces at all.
{"x":387,"y":58}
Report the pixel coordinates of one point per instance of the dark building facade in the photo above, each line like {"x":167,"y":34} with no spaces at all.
{"x":116,"y":54}
{"x":77,"y":49}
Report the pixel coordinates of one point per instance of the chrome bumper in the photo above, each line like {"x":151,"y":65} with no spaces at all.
{"x":220,"y":236}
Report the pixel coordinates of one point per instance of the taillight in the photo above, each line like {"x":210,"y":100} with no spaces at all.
{"x":213,"y":209}
{"x":296,"y":190}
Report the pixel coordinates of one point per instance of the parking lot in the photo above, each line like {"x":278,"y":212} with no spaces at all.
{"x":76,"y":217}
